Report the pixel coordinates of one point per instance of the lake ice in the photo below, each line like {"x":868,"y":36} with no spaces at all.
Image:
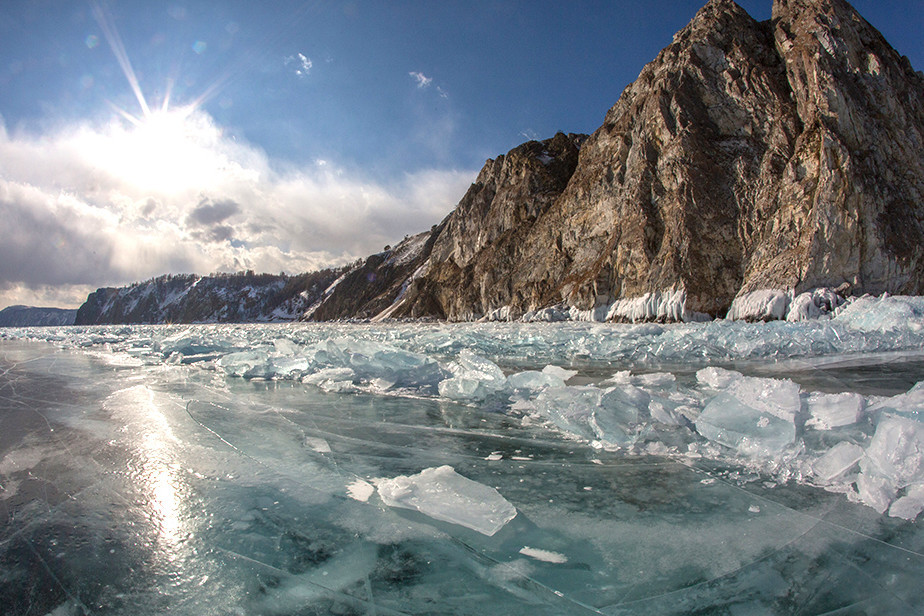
{"x":566,"y":468}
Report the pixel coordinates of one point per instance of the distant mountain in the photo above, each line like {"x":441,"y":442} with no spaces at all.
{"x":220,"y":298}
{"x":749,"y":163}
{"x":28,"y":316}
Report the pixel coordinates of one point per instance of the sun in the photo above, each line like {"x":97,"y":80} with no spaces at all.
{"x":165,"y":149}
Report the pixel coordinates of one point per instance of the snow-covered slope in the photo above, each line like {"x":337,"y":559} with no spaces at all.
{"x":220,"y":298}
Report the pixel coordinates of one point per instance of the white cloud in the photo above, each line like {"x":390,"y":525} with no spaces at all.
{"x":91,"y":206}
{"x":302,"y":64}
{"x":422,"y":80}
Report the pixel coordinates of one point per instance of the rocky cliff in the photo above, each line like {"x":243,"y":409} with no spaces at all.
{"x":220,"y":298}
{"x":778,"y":155}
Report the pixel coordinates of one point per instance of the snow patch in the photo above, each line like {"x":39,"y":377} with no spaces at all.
{"x":546,"y":556}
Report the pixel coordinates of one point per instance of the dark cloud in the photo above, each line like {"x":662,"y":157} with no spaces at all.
{"x":210,"y":212}
{"x":43,"y":244}
{"x":216,"y":233}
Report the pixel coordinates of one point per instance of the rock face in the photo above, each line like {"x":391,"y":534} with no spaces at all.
{"x":785,"y":154}
{"x":371,"y":287}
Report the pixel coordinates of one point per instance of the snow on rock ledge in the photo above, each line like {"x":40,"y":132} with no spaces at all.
{"x":762,"y":305}
{"x":778,"y":305}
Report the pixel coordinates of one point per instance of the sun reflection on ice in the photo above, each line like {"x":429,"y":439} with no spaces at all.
{"x":153,"y":466}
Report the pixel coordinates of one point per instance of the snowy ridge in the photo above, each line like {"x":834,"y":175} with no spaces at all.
{"x":408,"y":250}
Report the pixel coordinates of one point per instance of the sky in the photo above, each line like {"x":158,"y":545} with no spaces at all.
{"x":145,"y":138}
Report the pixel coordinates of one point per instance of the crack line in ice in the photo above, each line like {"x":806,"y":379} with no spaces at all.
{"x":506,"y":565}
{"x":54,"y":577}
{"x":287,"y":574}
{"x":217,"y":435}
{"x":727,"y":575}
{"x":807,"y":515}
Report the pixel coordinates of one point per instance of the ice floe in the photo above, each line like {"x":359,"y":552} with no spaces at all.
{"x":444,"y":494}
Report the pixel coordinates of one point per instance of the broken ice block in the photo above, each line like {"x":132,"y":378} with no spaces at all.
{"x":753,"y":432}
{"x":778,"y":397}
{"x":244,"y":363}
{"x":883,"y":314}
{"x":836,"y":461}
{"x":875,"y":491}
{"x":443,"y":494}
{"x":474,"y":378}
{"x":534,"y":380}
{"x":909,"y":404}
{"x":562,"y":373}
{"x":615,"y":420}
{"x":896,"y":451}
{"x":570,"y":408}
{"x":910,"y":505}
{"x":827,"y":411}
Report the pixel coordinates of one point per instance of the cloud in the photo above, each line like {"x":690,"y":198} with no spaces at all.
{"x":422,"y":80}
{"x":302,"y":63}
{"x":209,"y":212}
{"x":87,"y":206}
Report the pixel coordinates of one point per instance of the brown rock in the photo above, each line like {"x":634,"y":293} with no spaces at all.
{"x":783,"y":154}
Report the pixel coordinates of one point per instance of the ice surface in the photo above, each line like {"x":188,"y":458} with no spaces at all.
{"x":444,"y":494}
{"x":661,"y":469}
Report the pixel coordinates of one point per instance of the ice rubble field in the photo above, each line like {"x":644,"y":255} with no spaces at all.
{"x":470,"y":468}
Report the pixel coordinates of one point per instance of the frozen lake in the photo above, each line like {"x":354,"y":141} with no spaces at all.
{"x":717,"y":468}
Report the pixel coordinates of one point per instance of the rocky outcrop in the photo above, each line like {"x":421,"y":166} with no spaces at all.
{"x":476,"y":262}
{"x":783,"y":154}
{"x":372,"y":286}
{"x":220,"y":298}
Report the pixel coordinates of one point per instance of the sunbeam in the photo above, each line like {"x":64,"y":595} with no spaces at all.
{"x":118,"y":50}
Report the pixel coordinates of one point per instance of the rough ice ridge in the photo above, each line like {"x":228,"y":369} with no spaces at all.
{"x":768,"y":424}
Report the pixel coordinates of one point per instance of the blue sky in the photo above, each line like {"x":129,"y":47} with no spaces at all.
{"x":295,"y":135}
